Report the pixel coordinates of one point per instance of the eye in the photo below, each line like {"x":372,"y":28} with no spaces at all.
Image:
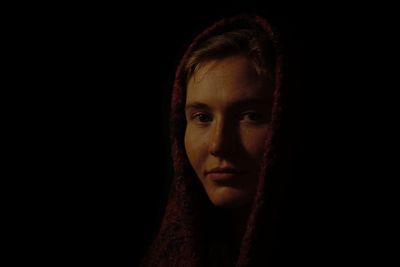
{"x":202,"y":117}
{"x":252,"y":116}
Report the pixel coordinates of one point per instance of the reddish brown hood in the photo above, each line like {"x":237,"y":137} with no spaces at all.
{"x":181,"y":239}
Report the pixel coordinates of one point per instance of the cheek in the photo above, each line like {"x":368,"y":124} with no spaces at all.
{"x":195,"y":149}
{"x":254,"y":143}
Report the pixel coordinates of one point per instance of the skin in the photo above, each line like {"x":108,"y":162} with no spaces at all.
{"x":228,"y":111}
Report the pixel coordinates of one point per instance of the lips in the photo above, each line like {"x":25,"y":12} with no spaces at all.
{"x":223,"y":174}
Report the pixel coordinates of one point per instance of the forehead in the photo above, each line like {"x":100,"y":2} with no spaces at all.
{"x":227,"y":80}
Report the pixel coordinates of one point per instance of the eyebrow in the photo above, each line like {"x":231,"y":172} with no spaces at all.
{"x":240,"y":103}
{"x":197,"y":105}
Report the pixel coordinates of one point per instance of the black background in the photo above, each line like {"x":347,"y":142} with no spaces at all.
{"x":101,"y":126}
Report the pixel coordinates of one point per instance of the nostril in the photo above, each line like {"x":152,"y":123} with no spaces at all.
{"x":218,"y":145}
{"x":221,"y":139}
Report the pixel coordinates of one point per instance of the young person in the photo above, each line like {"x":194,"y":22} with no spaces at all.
{"x":229,"y":150}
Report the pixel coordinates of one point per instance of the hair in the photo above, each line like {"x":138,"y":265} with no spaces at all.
{"x":252,"y":42}
{"x":186,"y":230}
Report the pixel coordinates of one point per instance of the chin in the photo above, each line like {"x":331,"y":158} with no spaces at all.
{"x":229,"y":197}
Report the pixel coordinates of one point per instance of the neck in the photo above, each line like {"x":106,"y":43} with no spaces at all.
{"x":239,"y":219}
{"x":232,"y":227}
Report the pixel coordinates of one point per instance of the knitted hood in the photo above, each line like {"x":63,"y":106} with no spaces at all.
{"x":183,"y":236}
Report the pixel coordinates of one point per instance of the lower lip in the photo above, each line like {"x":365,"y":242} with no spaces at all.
{"x":222,"y":176}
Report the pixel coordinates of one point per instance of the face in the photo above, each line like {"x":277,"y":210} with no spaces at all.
{"x":228,"y":111}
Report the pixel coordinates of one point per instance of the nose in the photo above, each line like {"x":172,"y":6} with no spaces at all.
{"x":220,"y":139}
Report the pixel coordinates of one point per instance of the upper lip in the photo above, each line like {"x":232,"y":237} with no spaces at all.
{"x":223,"y":170}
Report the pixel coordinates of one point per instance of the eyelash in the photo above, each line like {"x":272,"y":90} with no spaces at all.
{"x":250,"y":113}
{"x":201,"y":117}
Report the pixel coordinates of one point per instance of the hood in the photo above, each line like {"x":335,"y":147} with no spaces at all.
{"x":182,"y":238}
